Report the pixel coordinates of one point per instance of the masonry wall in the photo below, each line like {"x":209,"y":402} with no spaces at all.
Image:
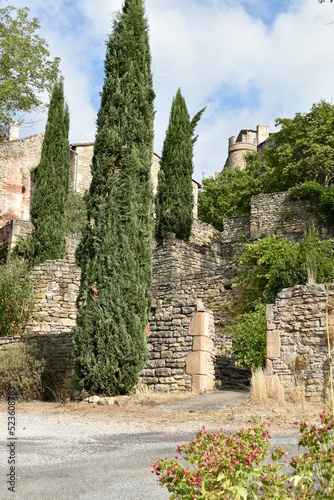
{"x":297,"y":347}
{"x":17,"y":159}
{"x":277,"y":214}
{"x":187,"y":278}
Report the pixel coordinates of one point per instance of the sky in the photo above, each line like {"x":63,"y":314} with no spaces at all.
{"x":249,"y":61}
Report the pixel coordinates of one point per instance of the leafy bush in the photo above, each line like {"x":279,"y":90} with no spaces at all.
{"x":326,"y":205}
{"x":24,"y":250}
{"x":272,"y":263}
{"x":322,"y":196}
{"x":249,"y":338}
{"x":226,"y":466}
{"x":20,"y":367}
{"x":17,"y":298}
{"x":265,"y":267}
{"x":310,"y":190}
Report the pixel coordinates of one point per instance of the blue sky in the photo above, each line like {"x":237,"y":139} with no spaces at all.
{"x":249,"y":61}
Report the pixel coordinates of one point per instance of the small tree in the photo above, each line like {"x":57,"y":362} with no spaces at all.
{"x":174,"y":200}
{"x":52,"y":183}
{"x":26,"y":70}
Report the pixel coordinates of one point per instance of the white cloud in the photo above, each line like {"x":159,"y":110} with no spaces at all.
{"x":248,"y":71}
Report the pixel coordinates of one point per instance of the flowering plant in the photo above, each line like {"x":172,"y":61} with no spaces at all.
{"x":223,"y":466}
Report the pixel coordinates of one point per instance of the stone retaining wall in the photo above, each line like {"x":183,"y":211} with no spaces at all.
{"x":277,"y":214}
{"x":297,"y":348}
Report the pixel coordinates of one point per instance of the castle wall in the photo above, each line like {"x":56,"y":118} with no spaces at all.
{"x":17,"y":159}
{"x":297,"y":348}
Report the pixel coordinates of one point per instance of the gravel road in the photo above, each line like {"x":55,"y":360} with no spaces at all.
{"x":65,"y":456}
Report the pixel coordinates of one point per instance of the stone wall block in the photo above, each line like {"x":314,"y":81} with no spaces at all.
{"x":197,"y":363}
{"x":202,"y":383}
{"x":199,"y":324}
{"x":203,"y":344}
{"x":273,"y":344}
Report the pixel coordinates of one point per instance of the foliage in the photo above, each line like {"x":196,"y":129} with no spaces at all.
{"x":302,"y":150}
{"x":175,"y":200}
{"x":249,"y":338}
{"x":20,"y":367}
{"x":273,"y":263}
{"x":17,"y":298}
{"x":48,"y":214}
{"x":115,"y":252}
{"x":229,"y":193}
{"x":75,"y":213}
{"x":231,"y":466}
{"x":26,"y":68}
{"x":265,"y":267}
{"x":321,"y":196}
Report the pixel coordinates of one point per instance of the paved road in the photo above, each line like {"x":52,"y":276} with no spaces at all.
{"x":60,"y":459}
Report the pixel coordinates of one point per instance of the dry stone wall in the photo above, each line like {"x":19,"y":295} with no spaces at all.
{"x":297,"y":347}
{"x":187,"y":279}
{"x":277,"y":214}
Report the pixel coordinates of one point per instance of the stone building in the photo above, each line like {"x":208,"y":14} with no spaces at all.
{"x":247,"y":141}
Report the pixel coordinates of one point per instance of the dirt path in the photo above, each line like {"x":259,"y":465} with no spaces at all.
{"x":184,"y":413}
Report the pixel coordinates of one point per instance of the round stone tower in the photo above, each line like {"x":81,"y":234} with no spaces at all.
{"x":246,"y":142}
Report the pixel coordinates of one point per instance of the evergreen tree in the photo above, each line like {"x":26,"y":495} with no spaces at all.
{"x":52,"y":183}
{"x":115,"y":253}
{"x":175,"y":200}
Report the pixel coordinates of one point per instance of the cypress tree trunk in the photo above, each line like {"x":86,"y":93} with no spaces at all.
{"x":115,"y":252}
{"x":52,"y":183}
{"x":175,"y":200}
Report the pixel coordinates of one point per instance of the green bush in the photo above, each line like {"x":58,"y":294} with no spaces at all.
{"x":326,"y":205}
{"x":17,"y":298}
{"x":249,"y":338}
{"x":21,"y":368}
{"x":322,"y":196}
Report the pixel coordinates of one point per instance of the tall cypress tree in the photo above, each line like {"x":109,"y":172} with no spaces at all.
{"x":48,"y":214}
{"x":175,"y":200}
{"x":115,"y":253}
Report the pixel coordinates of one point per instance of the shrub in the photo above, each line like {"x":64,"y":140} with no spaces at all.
{"x":20,"y":367}
{"x":249,"y":338}
{"x":323,"y":197}
{"x":17,"y":298}
{"x":226,"y":466}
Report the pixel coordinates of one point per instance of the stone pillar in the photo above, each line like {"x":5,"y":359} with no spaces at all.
{"x":14,"y":131}
{"x":273,"y":340}
{"x":199,"y":362}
